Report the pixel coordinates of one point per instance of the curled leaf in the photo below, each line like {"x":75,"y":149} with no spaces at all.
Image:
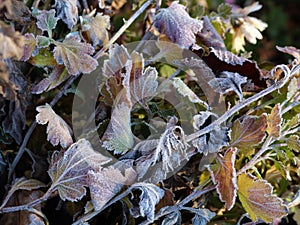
{"x":177,"y":25}
{"x":257,"y":199}
{"x":67,"y":11}
{"x":68,"y":170}
{"x":58,"y":130}
{"x":75,"y":55}
{"x":291,"y":51}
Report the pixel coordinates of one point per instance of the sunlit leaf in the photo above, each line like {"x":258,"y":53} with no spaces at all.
{"x":95,"y":28}
{"x":257,"y":199}
{"x":227,"y":82}
{"x":177,"y":25}
{"x":106,"y":183}
{"x":11,"y":42}
{"x":67,"y":11}
{"x":149,"y":197}
{"x":68,"y":169}
{"x":22,"y":184}
{"x":47,"y":21}
{"x":248,"y":132}
{"x":224,"y":176}
{"x":274,"y":121}
{"x":75,"y":55}
{"x":293,"y":142}
{"x":58,"y":130}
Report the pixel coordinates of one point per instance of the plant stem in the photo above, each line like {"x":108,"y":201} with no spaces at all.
{"x":123,"y":28}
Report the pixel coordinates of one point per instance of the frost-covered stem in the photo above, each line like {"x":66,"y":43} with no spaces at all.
{"x":180,"y":205}
{"x":254,"y":160}
{"x":238,"y":107}
{"x":124,"y":27}
{"x":32,"y":127}
{"x":290,"y":106}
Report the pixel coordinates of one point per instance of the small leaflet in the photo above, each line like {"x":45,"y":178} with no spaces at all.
{"x":257,"y":199}
{"x":227,"y":82}
{"x":47,"y":20}
{"x":95,"y":28}
{"x":177,"y":25}
{"x":274,"y":121}
{"x":58,"y":130}
{"x":106,"y":183}
{"x":224,"y":176}
{"x":22,"y":184}
{"x":11,"y":42}
{"x":249,"y":132}
{"x":202,"y":216}
{"x":68,"y":169}
{"x":149,"y":197}
{"x":75,"y":55}
{"x":67,"y":11}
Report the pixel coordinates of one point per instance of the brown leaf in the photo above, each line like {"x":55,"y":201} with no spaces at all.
{"x":68,"y":170}
{"x":29,"y":47}
{"x":224,"y":176}
{"x":11,"y":42}
{"x":274,"y":121}
{"x":257,"y":199}
{"x":18,"y":12}
{"x":58,"y":130}
{"x":249,"y":132}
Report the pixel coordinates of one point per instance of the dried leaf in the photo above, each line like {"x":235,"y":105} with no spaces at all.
{"x":68,"y":170}
{"x":177,"y":25}
{"x":67,"y":11}
{"x":95,"y":28}
{"x":23,"y":217}
{"x":22,"y":184}
{"x":106,"y":183}
{"x":18,"y":12}
{"x":7,"y":4}
{"x":227,"y":82}
{"x":291,"y":51}
{"x":149,"y":197}
{"x":274,"y":121}
{"x":249,"y":132}
{"x":200,"y":118}
{"x":11,"y":42}
{"x":29,"y":46}
{"x":58,"y":130}
{"x":47,"y":21}
{"x":75,"y":55}
{"x":257,"y":199}
{"x":224,"y":176}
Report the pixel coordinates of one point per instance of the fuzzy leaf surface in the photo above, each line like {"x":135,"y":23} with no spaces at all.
{"x":67,"y":11}
{"x":75,"y":55}
{"x":177,"y":25}
{"x":274,"y":121}
{"x":224,"y":176}
{"x":47,"y":20}
{"x":257,"y":199}
{"x":68,"y":170}
{"x":58,"y":130}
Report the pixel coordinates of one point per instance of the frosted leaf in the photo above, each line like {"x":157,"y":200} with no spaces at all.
{"x":67,"y":11}
{"x":68,"y":169}
{"x":58,"y":130}
{"x":47,"y":20}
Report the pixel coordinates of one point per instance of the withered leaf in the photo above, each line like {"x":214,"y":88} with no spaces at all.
{"x":224,"y":176}
{"x":68,"y":169}
{"x":29,"y":46}
{"x":11,"y":42}
{"x":149,"y":197}
{"x":107,"y":182}
{"x":249,"y":132}
{"x":75,"y":55}
{"x":47,"y":21}
{"x":274,"y":121}
{"x":22,"y":184}
{"x":257,"y":199}
{"x":95,"y":28}
{"x":177,"y":25}
{"x":58,"y":130}
{"x":67,"y":11}
{"x":18,"y":12}
{"x":227,"y":82}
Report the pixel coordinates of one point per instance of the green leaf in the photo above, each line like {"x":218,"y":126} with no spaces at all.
{"x":43,"y":59}
{"x":47,"y":21}
{"x":257,"y":199}
{"x":42,"y":41}
{"x":224,"y":10}
{"x":75,"y":55}
{"x":293,"y":143}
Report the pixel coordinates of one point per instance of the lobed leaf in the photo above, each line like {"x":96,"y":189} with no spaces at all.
{"x":274,"y":121}
{"x":69,"y":169}
{"x":224,"y":176}
{"x":257,"y":199}
{"x":47,"y":20}
{"x":75,"y":55}
{"x":177,"y":25}
{"x":249,"y":132}
{"x":58,"y":130}
{"x":293,"y":143}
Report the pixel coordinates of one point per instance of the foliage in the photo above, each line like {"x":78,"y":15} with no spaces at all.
{"x":185,"y":127}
